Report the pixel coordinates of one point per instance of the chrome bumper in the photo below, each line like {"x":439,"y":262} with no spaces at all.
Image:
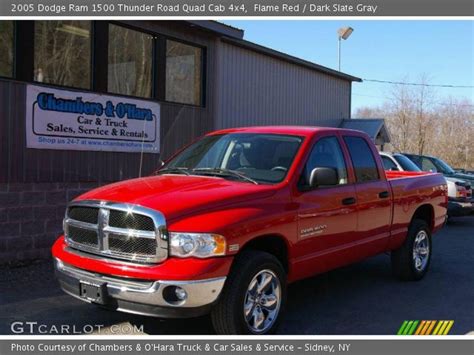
{"x":142,"y":296}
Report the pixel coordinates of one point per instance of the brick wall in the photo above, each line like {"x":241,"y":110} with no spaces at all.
{"x":31,"y":217}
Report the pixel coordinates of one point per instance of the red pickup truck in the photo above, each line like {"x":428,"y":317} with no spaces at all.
{"x":226,"y":223}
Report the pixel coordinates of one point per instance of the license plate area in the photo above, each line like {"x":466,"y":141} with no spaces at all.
{"x":92,"y":292}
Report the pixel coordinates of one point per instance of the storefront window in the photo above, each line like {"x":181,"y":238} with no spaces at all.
{"x":183,"y":73}
{"x":63,"y":53}
{"x":6,"y":48}
{"x":130,"y":62}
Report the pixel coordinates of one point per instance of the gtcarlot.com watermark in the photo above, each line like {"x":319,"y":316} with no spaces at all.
{"x":40,"y":328}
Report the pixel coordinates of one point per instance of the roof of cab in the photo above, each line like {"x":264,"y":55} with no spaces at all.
{"x":290,"y":130}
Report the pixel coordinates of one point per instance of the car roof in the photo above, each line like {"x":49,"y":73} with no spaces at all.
{"x":388,"y":154}
{"x":420,"y":155}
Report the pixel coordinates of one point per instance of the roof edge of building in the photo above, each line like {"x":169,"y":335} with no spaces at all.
{"x":235,"y":36}
{"x":359,"y":124}
{"x":218,"y":28}
{"x":289,"y":58}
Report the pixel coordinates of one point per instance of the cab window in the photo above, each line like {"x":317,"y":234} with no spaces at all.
{"x":326,"y":153}
{"x":362,"y":158}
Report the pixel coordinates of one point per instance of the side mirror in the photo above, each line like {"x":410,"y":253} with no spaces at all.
{"x":323,"y":176}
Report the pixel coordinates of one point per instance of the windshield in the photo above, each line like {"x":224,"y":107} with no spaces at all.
{"x":264,"y":158}
{"x":406,"y":163}
{"x":443,"y":166}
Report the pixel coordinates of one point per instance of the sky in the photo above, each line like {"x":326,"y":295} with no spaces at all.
{"x":396,"y":50}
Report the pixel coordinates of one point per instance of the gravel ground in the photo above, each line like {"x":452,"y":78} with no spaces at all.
{"x":360,"y":299}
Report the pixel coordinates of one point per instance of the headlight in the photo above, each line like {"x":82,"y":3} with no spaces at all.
{"x":199,"y":245}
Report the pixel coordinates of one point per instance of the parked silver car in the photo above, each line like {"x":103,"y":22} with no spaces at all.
{"x":459,"y":191}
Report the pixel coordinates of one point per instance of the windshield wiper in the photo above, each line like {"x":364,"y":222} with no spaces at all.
{"x":179,"y":170}
{"x":224,"y":172}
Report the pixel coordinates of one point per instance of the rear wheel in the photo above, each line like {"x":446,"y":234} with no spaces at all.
{"x":412,"y":260}
{"x":254,"y":296}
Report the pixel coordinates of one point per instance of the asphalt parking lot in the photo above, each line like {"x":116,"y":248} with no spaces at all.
{"x":360,"y":299}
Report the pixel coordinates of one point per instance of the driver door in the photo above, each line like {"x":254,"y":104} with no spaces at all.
{"x":327,"y":215}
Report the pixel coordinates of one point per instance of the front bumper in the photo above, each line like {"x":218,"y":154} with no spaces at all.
{"x":145,"y":297}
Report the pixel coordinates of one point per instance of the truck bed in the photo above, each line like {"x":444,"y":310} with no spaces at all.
{"x":411,"y":190}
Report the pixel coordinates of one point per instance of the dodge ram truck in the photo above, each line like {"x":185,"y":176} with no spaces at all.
{"x":229,"y":221}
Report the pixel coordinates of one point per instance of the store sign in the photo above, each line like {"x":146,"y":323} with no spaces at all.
{"x":72,"y":120}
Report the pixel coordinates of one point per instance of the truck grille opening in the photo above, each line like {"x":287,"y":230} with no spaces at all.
{"x":127,"y":220}
{"x":132,"y":245}
{"x":84,"y":214}
{"x":114,"y":230}
{"x":83,"y":236}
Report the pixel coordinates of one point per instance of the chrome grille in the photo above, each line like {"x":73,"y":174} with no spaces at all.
{"x":116,"y":230}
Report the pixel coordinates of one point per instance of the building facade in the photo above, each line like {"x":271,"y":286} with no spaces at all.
{"x":192,"y":76}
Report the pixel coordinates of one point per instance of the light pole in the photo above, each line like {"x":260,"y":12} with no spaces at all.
{"x":342,"y":33}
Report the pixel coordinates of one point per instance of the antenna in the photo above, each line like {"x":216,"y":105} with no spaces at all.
{"x":167,"y":136}
{"x":141,"y":153}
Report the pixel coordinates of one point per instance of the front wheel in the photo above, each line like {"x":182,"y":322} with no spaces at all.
{"x":254,"y":296}
{"x":412,"y":260}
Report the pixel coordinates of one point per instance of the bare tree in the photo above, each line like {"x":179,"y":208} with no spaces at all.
{"x":454,"y":133}
{"x":424,"y":99}
{"x":400,"y":118}
{"x":421,"y":123}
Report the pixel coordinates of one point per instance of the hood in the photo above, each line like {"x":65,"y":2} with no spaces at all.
{"x":465,"y":177}
{"x":178,"y":195}
{"x":454,"y":180}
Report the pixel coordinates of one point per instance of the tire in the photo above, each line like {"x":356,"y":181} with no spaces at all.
{"x":251,"y":267}
{"x":404,"y":263}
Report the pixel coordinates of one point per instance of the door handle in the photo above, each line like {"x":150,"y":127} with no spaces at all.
{"x":384,"y":194}
{"x":349,"y":201}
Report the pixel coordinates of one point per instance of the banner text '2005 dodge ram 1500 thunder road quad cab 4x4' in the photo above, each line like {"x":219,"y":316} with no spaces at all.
{"x":234,"y":217}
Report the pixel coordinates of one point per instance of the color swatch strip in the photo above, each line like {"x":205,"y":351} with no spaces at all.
{"x":425,"y":327}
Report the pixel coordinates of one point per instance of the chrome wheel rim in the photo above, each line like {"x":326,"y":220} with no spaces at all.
{"x":262,"y":301}
{"x":421,"y":250}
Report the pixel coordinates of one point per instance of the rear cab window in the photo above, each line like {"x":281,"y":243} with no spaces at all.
{"x":363,"y":160}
